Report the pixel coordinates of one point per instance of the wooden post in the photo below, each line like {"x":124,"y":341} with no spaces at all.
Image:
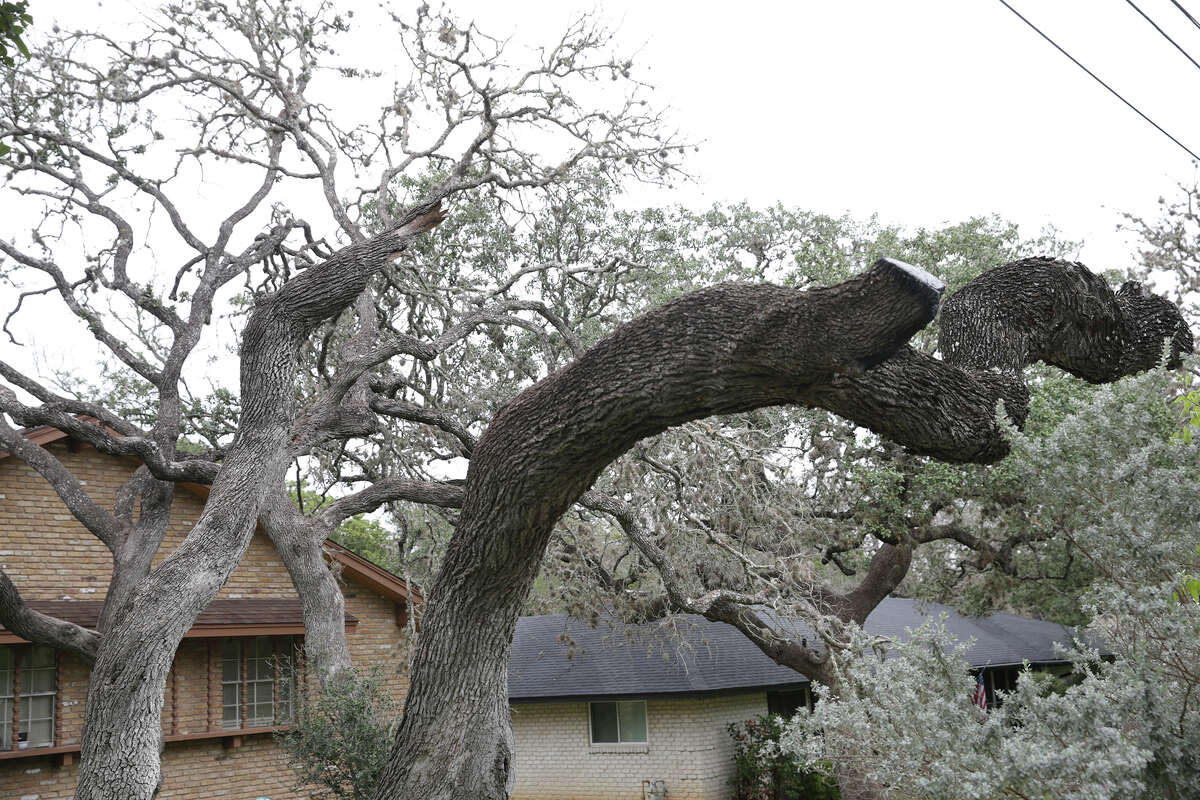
{"x":56,"y":736}
{"x":212,"y":666}
{"x":18,"y":652}
{"x":244,"y":692}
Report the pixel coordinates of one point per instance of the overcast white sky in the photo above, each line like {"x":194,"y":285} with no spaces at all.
{"x":924,"y":111}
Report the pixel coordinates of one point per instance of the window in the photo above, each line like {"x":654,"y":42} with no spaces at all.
{"x":28,"y":688}
{"x":1001,"y":679}
{"x":787,"y":703}
{"x":618,"y":722}
{"x":257,"y":681}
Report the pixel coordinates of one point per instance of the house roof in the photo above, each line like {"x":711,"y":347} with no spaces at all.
{"x":247,"y":616}
{"x":557,"y":657}
{"x":353,"y":565}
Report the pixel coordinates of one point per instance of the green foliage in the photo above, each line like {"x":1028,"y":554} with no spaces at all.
{"x":1112,"y":486}
{"x":366,"y":537}
{"x":369,"y":539}
{"x":1189,"y":400}
{"x":763,"y":771}
{"x":14,"y":20}
{"x":339,"y":743}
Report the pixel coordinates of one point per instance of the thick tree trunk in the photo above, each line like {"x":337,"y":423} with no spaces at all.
{"x":122,"y":739}
{"x":730,"y":348}
{"x":726,"y":349}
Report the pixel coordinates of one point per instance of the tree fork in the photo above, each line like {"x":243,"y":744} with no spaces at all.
{"x":120,"y":750}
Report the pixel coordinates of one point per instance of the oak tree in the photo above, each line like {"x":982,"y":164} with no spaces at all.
{"x":471,"y":131}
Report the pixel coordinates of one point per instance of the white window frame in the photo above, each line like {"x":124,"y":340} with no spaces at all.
{"x":619,"y":743}
{"x":18,"y":700}
{"x":257,"y":686}
{"x":278,"y":691}
{"x":236,"y":722}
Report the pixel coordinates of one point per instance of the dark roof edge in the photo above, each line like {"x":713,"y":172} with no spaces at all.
{"x":706,"y":693}
{"x":1004,"y":664}
{"x":694,"y":694}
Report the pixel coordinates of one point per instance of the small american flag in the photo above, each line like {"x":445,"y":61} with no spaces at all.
{"x":979,"y":697}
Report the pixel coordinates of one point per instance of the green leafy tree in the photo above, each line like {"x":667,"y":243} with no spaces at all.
{"x":14,"y":19}
{"x":367,"y":537}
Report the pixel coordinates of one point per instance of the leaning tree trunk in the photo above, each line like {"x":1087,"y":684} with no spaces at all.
{"x":726,"y":349}
{"x":122,"y":737}
{"x":722,"y":350}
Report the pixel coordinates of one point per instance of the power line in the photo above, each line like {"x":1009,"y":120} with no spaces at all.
{"x":1095,"y":77}
{"x":1146,"y":17}
{"x":1195,"y":21}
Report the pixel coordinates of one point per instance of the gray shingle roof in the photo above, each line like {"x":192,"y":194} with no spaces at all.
{"x":555,"y":656}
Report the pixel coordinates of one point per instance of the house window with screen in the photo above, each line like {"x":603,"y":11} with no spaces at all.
{"x":28,"y":690}
{"x":618,"y":722}
{"x":257,"y":681}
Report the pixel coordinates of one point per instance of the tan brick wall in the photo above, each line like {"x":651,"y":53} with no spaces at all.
{"x":49,"y":555}
{"x":377,"y":641}
{"x":688,"y":748}
{"x":203,"y":770}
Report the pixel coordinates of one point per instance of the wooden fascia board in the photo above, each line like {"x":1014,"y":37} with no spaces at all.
{"x":214,"y":631}
{"x":371,"y":575}
{"x":225,"y":733}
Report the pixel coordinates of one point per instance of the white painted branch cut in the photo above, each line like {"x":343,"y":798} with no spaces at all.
{"x":919,"y":274}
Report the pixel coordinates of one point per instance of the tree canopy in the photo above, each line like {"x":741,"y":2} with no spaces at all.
{"x":766,"y":401}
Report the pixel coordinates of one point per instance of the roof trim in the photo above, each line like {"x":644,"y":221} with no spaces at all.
{"x":371,"y":575}
{"x":694,"y":694}
{"x":219,"y":631}
{"x":354,"y":566}
{"x":224,"y":617}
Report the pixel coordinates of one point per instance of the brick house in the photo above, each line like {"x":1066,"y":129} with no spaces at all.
{"x":230,"y":684}
{"x":614,"y":712}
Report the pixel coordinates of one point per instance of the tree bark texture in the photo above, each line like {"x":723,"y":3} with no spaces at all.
{"x":721,"y":350}
{"x":730,"y":348}
{"x":122,"y":739}
{"x":298,"y":540}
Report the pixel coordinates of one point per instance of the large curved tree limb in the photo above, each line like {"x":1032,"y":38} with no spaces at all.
{"x":730,"y":348}
{"x":726,"y":349}
{"x":1042,"y":309}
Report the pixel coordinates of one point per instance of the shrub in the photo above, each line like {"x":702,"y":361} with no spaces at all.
{"x":763,"y":771}
{"x":339,"y":743}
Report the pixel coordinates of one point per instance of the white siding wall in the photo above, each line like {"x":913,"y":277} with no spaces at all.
{"x":688,"y":748}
